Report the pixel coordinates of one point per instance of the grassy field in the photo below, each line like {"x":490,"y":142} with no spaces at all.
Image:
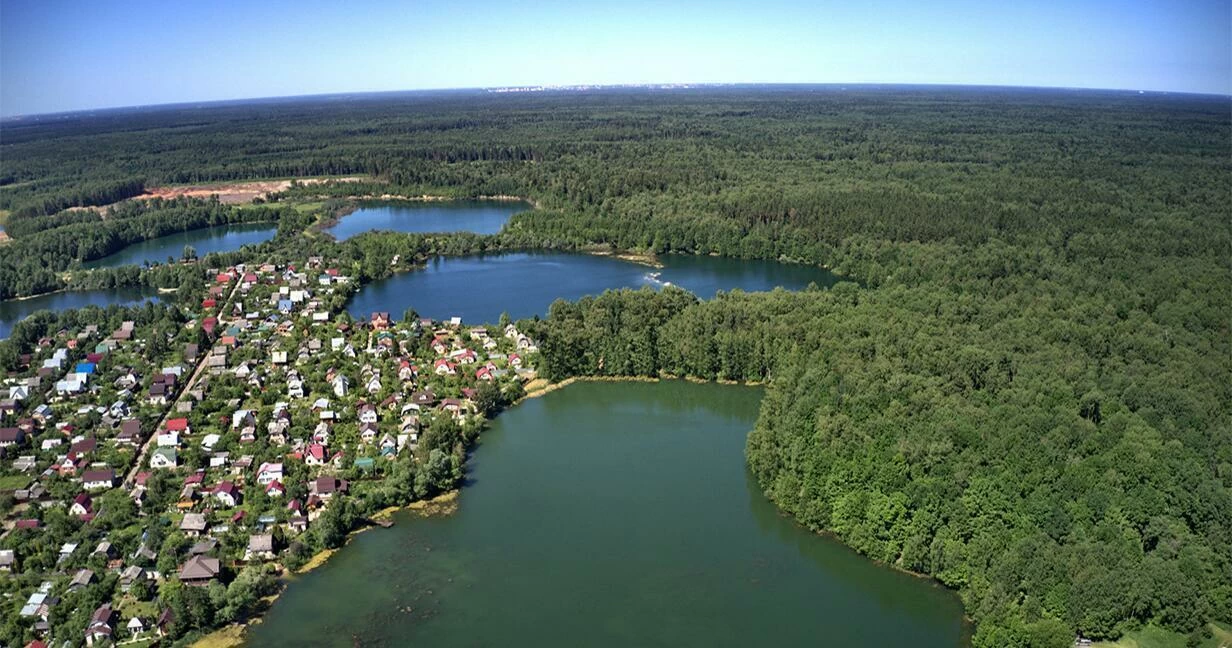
{"x":1222,"y":635}
{"x":301,"y":207}
{"x":1155,"y":637}
{"x":13,"y":482}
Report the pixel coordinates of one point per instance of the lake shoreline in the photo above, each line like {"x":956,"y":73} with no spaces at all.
{"x":233,"y":635}
{"x":240,"y":228}
{"x":37,"y":295}
{"x":648,"y":259}
{"x":539,"y":387}
{"x":557,"y":386}
{"x":539,"y":276}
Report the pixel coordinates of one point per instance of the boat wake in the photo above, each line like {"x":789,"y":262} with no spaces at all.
{"x":653,"y":277}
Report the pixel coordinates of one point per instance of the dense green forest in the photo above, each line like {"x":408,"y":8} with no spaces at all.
{"x":1025,"y":392}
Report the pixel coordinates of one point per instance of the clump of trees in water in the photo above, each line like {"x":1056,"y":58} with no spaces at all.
{"x":1026,"y":396}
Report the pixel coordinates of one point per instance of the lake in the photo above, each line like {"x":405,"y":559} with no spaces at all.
{"x":13,"y":311}
{"x":611,"y":514}
{"x":478,"y":216}
{"x":479,"y":288}
{"x":222,"y":238}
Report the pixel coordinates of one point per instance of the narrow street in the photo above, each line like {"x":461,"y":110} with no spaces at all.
{"x":183,"y":393}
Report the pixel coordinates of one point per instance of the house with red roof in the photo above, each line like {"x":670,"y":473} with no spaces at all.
{"x":316,"y":455}
{"x":227,"y":494}
{"x":443,"y":367}
{"x":82,"y":505}
{"x":275,"y":489}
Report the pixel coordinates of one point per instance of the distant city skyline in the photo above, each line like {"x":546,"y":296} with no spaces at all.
{"x":59,"y":56}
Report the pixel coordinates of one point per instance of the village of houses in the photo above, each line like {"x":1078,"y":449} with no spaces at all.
{"x":144,"y":458}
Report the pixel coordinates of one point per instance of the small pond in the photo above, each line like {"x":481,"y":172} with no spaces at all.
{"x":478,"y":216}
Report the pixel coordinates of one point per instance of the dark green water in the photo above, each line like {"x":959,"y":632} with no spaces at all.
{"x":13,"y":311}
{"x":224,"y":238}
{"x":478,"y":216}
{"x":610,"y":514}
{"x":479,"y":288}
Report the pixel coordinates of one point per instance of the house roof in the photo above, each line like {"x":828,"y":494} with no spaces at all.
{"x":102,"y":614}
{"x":327,"y":484}
{"x":82,"y":578}
{"x":199,"y":568}
{"x":203,"y":547}
{"x":89,"y":476}
{"x":193,"y":522}
{"x":261,"y":542}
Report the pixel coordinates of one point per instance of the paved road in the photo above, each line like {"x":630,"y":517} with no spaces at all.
{"x":171,"y":409}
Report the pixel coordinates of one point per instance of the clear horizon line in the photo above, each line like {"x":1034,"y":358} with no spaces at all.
{"x":597,"y":86}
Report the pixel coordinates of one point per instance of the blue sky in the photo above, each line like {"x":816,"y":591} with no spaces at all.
{"x":67,"y":55}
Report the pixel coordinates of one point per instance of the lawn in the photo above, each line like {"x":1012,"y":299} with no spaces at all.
{"x":13,"y":482}
{"x":129,"y":607}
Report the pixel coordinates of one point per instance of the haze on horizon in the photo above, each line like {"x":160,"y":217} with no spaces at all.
{"x":58,"y":55}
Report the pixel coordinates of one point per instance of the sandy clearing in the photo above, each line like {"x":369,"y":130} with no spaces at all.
{"x":232,"y":193}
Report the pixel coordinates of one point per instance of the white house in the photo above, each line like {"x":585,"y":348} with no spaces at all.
{"x":341,"y":385}
{"x":269,"y":472}
{"x":98,"y":479}
{"x":163,"y":458}
{"x":242,"y":418}
{"x":73,"y":383}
